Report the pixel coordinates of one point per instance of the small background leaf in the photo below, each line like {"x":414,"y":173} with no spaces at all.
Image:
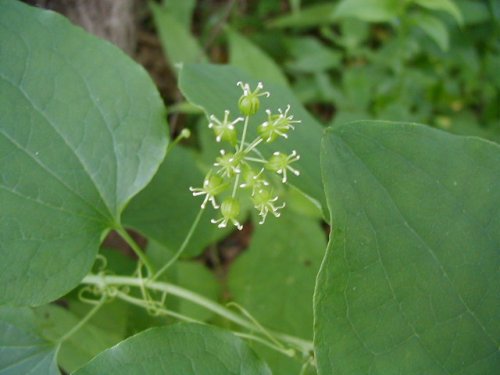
{"x":179,"y":45}
{"x":249,"y":57}
{"x":313,"y":15}
{"x":369,"y":10}
{"x":447,"y":6}
{"x":434,"y":28}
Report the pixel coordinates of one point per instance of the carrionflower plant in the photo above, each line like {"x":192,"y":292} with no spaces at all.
{"x":245,"y":168}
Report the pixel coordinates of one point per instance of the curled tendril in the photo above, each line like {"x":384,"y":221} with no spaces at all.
{"x":101,"y":263}
{"x":95,"y":294}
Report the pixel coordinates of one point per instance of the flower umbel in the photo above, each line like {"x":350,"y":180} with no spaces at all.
{"x":246,"y":170}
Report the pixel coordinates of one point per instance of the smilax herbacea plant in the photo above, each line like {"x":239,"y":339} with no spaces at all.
{"x":244,"y":167}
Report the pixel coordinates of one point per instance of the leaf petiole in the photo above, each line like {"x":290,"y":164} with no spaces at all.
{"x":137,"y":250}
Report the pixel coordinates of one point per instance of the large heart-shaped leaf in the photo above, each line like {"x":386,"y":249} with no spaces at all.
{"x":214,"y":89}
{"x":22,"y":349}
{"x":180,"y":349}
{"x":410,"y":281}
{"x":82,"y":130}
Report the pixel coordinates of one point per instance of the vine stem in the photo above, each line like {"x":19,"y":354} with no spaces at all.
{"x":182,"y":248}
{"x":139,"y":302}
{"x":102,"y":281}
{"x":137,"y":250}
{"x":82,"y":322}
{"x":289,"y":353}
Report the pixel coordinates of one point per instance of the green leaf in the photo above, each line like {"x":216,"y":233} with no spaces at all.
{"x":311,"y":56}
{"x":474,"y":12}
{"x":447,"y":6}
{"x":179,"y":45}
{"x":179,"y":349}
{"x":434,"y":28}
{"x":181,"y":10}
{"x":249,"y":57}
{"x":82,"y":130}
{"x":410,"y":281}
{"x":22,"y":349}
{"x":314,"y":15}
{"x":214,"y":89}
{"x":166,"y":209}
{"x":104,"y":330}
{"x":274,"y":279}
{"x":369,"y":10}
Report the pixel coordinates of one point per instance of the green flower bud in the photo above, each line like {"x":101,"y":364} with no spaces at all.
{"x":212,"y":185}
{"x":276,"y":125}
{"x":280,"y":163}
{"x":230,"y":209}
{"x":253,"y":179}
{"x":249,"y":102}
{"x":263,"y":201}
{"x":228,"y":163}
{"x":224,"y":130}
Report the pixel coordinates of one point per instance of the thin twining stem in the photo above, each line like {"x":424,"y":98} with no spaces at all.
{"x":82,"y":322}
{"x":137,"y":250}
{"x":182,"y":248}
{"x":102,"y":281}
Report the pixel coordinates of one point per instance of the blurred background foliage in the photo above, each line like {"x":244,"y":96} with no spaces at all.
{"x":435,"y":62}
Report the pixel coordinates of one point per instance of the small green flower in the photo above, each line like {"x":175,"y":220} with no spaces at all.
{"x":228,"y":163}
{"x":249,"y":102}
{"x":277,"y":125}
{"x":224,"y":130}
{"x":253,"y":180}
{"x":263,"y":201}
{"x":280,"y":163}
{"x":230,"y":209}
{"x":212,"y":185}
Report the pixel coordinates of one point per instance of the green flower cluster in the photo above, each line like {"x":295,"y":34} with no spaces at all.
{"x":245,"y":167}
